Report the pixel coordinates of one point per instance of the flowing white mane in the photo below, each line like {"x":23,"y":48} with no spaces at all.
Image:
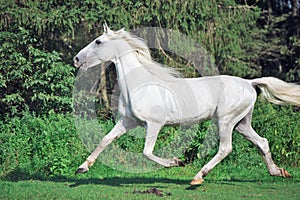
{"x":143,"y":55}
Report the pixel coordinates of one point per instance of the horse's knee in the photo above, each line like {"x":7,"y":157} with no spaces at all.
{"x":228,"y":150}
{"x":242,"y":128}
{"x":264,"y":146}
{"x":147,"y":155}
{"x":224,"y":151}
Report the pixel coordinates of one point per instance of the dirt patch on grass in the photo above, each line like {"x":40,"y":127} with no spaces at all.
{"x":153,"y":191}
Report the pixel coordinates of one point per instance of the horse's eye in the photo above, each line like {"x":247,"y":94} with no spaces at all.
{"x":98,"y":42}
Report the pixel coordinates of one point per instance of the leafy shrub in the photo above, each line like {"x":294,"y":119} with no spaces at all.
{"x":281,"y":126}
{"x":49,"y":145}
{"x":31,"y":78}
{"x":40,"y":145}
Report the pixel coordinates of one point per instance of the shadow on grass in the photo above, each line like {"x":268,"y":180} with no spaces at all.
{"x":19,"y":175}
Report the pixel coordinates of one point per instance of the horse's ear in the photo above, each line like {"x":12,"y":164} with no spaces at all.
{"x":107,"y":29}
{"x":104,"y":28}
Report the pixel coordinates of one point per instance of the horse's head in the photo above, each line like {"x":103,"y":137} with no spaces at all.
{"x":100,"y":50}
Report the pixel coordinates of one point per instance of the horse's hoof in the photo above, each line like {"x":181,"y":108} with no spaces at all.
{"x":179,"y":163}
{"x":81,"y":171}
{"x":197,"y":182}
{"x":285,"y":173}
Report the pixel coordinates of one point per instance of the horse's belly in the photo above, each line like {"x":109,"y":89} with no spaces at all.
{"x":191,"y":112}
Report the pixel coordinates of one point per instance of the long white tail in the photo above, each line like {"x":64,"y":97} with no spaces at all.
{"x":278,"y":91}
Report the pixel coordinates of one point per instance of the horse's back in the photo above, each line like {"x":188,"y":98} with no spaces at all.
{"x":234,"y":97}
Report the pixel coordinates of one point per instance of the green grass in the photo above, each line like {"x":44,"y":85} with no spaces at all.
{"x":224,"y":182}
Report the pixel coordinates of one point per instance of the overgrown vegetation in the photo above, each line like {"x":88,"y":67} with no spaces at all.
{"x":50,"y":146}
{"x":44,"y":146}
{"x":39,"y":39}
{"x":32,"y":78}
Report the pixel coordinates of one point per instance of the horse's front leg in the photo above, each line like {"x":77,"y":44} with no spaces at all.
{"x":151,"y":137}
{"x":119,"y":129}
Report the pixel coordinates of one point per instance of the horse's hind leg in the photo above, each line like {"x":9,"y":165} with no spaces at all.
{"x":245,"y":128}
{"x":225,"y":148}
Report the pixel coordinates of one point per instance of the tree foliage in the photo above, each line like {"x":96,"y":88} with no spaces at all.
{"x":31,"y":78}
{"x":276,"y":47}
{"x":245,"y":38}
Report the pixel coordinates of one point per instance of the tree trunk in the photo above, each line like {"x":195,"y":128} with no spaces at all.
{"x":295,"y":6}
{"x":269,"y":5}
{"x":102,"y":92}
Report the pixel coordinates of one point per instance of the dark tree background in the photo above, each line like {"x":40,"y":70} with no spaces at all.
{"x":247,"y":38}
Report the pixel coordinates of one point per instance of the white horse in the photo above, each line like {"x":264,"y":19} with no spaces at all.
{"x":153,"y":96}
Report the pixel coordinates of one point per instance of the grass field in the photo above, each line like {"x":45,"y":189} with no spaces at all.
{"x":224,"y":182}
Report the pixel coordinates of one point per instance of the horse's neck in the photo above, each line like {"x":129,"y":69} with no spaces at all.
{"x":126,"y":64}
{"x":131,"y":73}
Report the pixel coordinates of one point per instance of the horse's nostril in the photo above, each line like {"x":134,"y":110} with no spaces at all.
{"x":76,"y":59}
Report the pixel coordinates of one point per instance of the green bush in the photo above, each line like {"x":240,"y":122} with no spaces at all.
{"x":281,"y":126}
{"x":31,"y":78}
{"x":50,"y":145}
{"x":44,"y":146}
